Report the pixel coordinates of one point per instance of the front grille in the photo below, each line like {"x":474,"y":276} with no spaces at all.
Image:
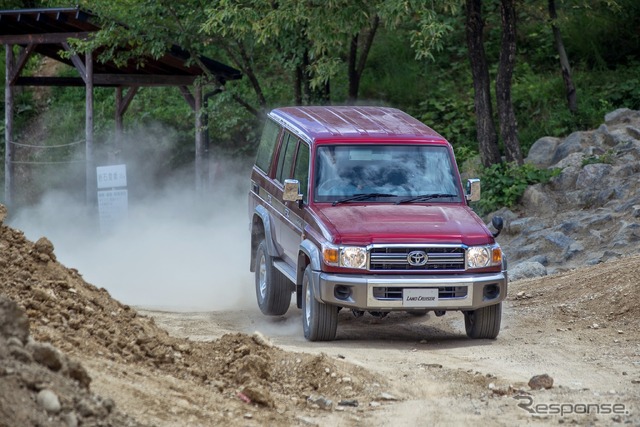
{"x":394,"y":258}
{"x":384,"y":293}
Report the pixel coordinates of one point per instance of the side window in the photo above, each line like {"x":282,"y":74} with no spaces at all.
{"x":301,"y":171}
{"x":286,"y":157}
{"x":267,"y":145}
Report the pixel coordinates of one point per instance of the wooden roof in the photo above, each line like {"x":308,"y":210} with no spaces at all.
{"x":44,"y":30}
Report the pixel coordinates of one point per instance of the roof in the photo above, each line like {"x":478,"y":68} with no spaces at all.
{"x":47,"y":28}
{"x":346,"y":122}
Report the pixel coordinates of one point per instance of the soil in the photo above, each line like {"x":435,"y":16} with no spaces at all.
{"x":239,"y":368}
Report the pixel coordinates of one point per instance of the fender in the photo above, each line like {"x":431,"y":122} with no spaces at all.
{"x":313,"y":253}
{"x":268,"y":231}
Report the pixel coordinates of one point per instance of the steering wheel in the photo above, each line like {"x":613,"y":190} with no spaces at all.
{"x":330,"y":184}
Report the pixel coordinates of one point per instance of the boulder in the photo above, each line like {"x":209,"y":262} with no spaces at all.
{"x":542,"y":151}
{"x":527,"y":270}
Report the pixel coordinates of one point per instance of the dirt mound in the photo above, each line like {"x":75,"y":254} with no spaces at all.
{"x":83,"y":320}
{"x":41,"y":386}
{"x":601,"y":294}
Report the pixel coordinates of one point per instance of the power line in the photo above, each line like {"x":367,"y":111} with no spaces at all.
{"x":47,"y":146}
{"x":18,"y":162}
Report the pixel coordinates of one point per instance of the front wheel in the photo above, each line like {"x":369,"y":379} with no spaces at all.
{"x":273,"y":289}
{"x":319,"y":321}
{"x":483,"y":323}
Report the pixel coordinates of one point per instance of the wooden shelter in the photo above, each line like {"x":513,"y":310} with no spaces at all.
{"x":47,"y":31}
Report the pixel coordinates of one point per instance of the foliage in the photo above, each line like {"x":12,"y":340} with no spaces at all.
{"x":418,"y":62}
{"x":606,"y":158}
{"x":505,"y":183}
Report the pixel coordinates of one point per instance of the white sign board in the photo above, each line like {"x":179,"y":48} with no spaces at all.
{"x":113,"y":176}
{"x":113,"y":206}
{"x":419,"y":297}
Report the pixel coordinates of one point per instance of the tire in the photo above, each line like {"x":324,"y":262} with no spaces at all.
{"x":319,"y":321}
{"x":483,"y":323}
{"x":273,"y":289}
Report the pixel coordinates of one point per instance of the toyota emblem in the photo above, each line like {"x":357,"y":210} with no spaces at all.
{"x":417,"y":258}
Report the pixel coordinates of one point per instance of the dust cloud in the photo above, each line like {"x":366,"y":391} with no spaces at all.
{"x":176,"y":250}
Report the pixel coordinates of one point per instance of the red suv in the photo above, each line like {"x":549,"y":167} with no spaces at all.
{"x":363,"y":208}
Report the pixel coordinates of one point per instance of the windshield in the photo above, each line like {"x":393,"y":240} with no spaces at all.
{"x":384,"y":172}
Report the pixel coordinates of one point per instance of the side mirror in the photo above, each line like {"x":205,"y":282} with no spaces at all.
{"x":497,"y":223}
{"x":473,"y":190}
{"x":292,"y":191}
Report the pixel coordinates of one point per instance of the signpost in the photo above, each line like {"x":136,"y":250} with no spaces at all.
{"x":113,"y":198}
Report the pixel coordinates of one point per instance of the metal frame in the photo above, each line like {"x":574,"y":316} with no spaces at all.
{"x":47,"y":31}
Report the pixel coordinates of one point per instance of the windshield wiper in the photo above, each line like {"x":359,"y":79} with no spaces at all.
{"x":364,"y":196}
{"x":425,"y":197}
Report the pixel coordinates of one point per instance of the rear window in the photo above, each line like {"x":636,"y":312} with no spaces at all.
{"x":267,"y":145}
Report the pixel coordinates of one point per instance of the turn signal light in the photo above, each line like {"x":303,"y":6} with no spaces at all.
{"x":330,"y":255}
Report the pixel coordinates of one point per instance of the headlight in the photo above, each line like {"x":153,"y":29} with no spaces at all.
{"x":345,"y":256}
{"x":484,"y":256}
{"x":353,"y":257}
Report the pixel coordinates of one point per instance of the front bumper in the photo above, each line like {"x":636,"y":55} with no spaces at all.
{"x":385,"y":293}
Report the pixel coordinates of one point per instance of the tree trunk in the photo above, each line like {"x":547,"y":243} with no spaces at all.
{"x":487,"y":137}
{"x":297,"y":85}
{"x":356,"y":64}
{"x":564,"y":60}
{"x":506,"y":115}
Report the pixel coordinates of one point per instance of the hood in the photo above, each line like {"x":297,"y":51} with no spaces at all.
{"x":364,"y":224}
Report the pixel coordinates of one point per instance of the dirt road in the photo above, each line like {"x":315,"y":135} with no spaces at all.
{"x":565,"y":326}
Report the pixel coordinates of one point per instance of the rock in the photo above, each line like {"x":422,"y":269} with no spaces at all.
{"x":49,"y":401}
{"x":44,"y":247}
{"x":258,"y":394}
{"x":3,"y":213}
{"x":259,"y":338}
{"x":559,"y":239}
{"x":88,"y":407}
{"x":251,"y":367}
{"x":13,"y":320}
{"x":574,"y":143}
{"x":70,"y":419}
{"x":524,"y":225}
{"x":77,"y":372}
{"x":321,"y":401}
{"x":387,"y":396}
{"x":542,"y":151}
{"x":539,"y":382}
{"x":47,"y":355}
{"x":566,"y":180}
{"x":592,"y":176}
{"x":621,"y":115}
{"x":20,"y":354}
{"x":526,"y":270}
{"x":542,"y":259}
{"x":348,"y":402}
{"x":537,"y":202}
{"x":573,"y":249}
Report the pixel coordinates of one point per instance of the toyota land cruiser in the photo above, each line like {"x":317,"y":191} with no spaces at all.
{"x":363,"y":208}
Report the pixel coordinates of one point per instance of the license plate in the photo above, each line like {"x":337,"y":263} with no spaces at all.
{"x":420,"y":297}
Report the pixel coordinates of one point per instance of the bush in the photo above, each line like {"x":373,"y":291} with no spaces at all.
{"x":504,"y":184}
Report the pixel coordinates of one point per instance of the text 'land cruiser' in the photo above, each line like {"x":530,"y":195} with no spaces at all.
{"x":362,"y":208}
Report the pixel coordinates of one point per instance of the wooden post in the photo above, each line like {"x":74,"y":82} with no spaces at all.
{"x":200,"y":171}
{"x":122,"y":104}
{"x":91,"y":179}
{"x":119,"y":126}
{"x":8,"y":128}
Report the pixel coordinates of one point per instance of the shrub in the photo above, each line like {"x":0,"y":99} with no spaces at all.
{"x":504,"y":184}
